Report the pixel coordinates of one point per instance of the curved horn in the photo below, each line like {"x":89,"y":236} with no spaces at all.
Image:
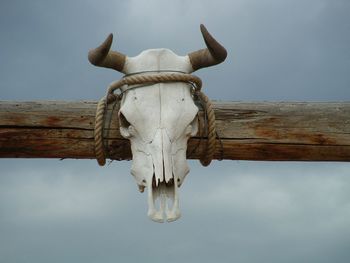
{"x":212,"y":55}
{"x":102,"y":56}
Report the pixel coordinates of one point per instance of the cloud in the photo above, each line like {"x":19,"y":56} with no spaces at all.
{"x":65,"y":193}
{"x":229,"y":209}
{"x":289,"y":207}
{"x":75,"y":211}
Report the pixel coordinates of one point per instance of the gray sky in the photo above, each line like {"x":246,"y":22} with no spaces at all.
{"x":76,"y":211}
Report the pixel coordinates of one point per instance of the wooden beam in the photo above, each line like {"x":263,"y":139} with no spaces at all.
{"x":265,"y":131}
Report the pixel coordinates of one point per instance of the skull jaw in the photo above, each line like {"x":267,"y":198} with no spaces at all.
{"x":163,"y":196}
{"x":160,"y":166}
{"x":164,"y":193}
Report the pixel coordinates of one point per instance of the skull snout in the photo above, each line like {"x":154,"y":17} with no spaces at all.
{"x":163,"y":202}
{"x":159,"y":164}
{"x":163,"y":185}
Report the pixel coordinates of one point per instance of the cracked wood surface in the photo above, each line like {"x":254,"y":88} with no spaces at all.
{"x":266,"y":131}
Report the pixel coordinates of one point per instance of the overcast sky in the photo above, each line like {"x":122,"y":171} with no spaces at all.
{"x":233,"y":211}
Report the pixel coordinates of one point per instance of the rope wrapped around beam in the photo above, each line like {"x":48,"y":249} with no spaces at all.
{"x":150,"y":79}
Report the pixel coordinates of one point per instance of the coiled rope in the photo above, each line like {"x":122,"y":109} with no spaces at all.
{"x":150,"y":79}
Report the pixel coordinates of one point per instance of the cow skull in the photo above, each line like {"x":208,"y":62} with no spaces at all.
{"x":158,"y":119}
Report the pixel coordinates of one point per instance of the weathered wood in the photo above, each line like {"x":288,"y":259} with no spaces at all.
{"x":285,"y":131}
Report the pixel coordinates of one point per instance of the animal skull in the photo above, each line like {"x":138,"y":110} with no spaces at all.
{"x":158,"y":119}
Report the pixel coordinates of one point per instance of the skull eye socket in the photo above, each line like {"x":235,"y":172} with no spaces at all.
{"x":193,"y":127}
{"x":123,"y":121}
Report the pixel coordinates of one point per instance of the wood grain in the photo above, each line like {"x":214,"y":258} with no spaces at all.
{"x":287,"y":131}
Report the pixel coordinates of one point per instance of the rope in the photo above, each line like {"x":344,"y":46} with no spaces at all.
{"x":133,"y":79}
{"x":98,"y":132}
{"x":208,"y":154}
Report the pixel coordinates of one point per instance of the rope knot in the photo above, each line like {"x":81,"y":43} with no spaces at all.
{"x":111,"y":97}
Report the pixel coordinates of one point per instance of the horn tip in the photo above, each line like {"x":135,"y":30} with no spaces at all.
{"x":222,"y":52}
{"x":110,"y":36}
{"x":108,"y":42}
{"x":96,"y":55}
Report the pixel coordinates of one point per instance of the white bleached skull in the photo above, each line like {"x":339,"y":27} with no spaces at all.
{"x":159,"y":119}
